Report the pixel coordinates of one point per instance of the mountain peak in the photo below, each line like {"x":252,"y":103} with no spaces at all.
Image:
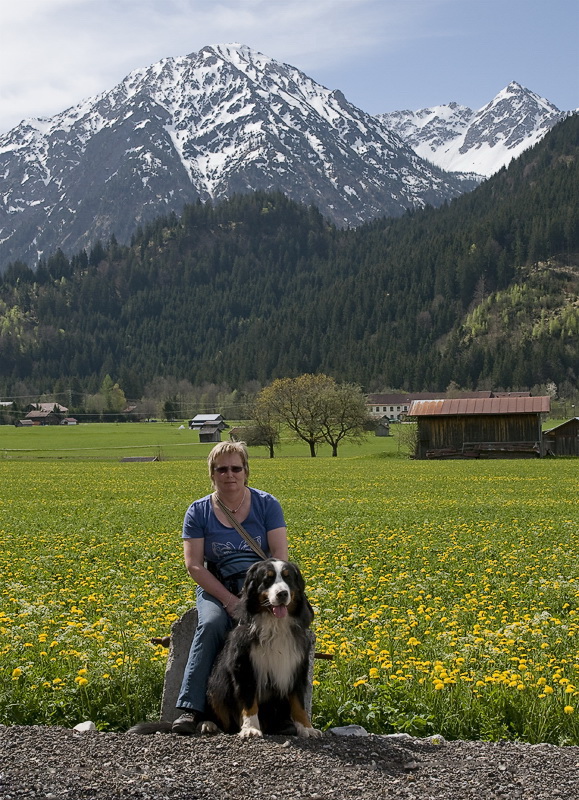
{"x":458,"y":139}
{"x":224,"y":120}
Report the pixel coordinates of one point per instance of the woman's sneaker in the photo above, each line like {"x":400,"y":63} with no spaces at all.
{"x":187,"y":723}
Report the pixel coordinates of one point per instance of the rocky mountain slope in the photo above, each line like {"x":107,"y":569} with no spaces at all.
{"x":456,"y":138}
{"x":221,"y":121}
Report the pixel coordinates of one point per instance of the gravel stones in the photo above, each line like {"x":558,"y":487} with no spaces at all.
{"x":53,"y":763}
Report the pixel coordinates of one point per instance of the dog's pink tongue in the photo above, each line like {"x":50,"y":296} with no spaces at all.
{"x":279,"y":611}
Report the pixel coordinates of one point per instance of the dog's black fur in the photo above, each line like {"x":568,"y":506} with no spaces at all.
{"x":259,"y":680}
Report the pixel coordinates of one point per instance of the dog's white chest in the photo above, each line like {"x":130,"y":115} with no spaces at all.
{"x":275,"y":658}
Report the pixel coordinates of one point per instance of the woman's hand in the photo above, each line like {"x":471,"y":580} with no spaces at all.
{"x":231,"y":604}
{"x":193,"y":550}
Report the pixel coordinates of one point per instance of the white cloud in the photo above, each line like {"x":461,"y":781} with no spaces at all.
{"x":54,"y":53}
{"x":384,"y":54}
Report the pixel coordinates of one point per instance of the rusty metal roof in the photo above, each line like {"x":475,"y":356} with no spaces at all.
{"x":488,"y":405}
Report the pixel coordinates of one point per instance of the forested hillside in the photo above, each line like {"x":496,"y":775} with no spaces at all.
{"x":483,"y":292}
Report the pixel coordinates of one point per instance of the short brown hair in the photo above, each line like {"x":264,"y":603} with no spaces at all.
{"x":228,"y":449}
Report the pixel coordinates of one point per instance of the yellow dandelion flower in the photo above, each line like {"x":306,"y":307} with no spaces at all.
{"x":569,"y":709}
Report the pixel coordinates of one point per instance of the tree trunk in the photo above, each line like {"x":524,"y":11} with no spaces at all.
{"x":312,"y":449}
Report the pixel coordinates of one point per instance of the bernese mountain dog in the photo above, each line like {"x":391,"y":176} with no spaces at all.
{"x":259,"y":680}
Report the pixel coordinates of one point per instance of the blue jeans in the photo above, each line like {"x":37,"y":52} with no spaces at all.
{"x":212,"y":627}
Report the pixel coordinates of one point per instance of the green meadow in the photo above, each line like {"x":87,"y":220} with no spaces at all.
{"x":447,"y":593}
{"x":163,"y":440}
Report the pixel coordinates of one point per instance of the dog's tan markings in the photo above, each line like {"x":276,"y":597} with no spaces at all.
{"x":221,"y":712}
{"x":293,"y":600}
{"x":263,"y":600}
{"x":250,"y":722}
{"x":301,"y":719}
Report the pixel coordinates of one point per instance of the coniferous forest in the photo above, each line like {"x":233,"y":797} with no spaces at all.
{"x":483,"y":292}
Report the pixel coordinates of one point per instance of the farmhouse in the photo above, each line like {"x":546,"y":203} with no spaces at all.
{"x":48,"y":407}
{"x":46,"y":413}
{"x":44,"y":417}
{"x":394,"y":405}
{"x":492,"y":427}
{"x":563,"y":440}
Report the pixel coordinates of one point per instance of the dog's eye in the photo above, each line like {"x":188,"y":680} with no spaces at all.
{"x":285,"y":572}
{"x":271,"y":574}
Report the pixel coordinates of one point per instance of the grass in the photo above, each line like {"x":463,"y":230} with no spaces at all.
{"x":164,"y":440}
{"x":448,"y":592}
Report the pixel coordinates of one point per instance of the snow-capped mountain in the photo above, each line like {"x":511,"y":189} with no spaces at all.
{"x":456,"y":138}
{"x":221,"y":121}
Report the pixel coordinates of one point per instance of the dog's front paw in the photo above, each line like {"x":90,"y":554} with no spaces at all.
{"x":250,"y":726}
{"x":208,"y":728}
{"x":249,"y":732}
{"x":308,"y":732}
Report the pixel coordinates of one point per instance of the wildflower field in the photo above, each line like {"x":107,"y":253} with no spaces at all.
{"x":447,"y":592}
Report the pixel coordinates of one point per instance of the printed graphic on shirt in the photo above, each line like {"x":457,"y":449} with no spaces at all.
{"x":222,"y":549}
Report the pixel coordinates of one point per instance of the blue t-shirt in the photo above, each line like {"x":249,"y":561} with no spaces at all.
{"x":224,"y":546}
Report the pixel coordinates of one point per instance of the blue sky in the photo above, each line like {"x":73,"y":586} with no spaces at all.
{"x":383,"y":54}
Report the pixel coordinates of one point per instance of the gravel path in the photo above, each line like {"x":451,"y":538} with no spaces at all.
{"x":50,"y":763}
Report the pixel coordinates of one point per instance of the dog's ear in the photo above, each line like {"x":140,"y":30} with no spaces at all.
{"x":304,"y":611}
{"x":249,"y":594}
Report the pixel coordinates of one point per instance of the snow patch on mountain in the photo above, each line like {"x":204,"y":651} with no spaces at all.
{"x":458,"y":139}
{"x":204,"y":126}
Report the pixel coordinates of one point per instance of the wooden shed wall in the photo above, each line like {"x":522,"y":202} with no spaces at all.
{"x":437,"y":433}
{"x":564,"y":440}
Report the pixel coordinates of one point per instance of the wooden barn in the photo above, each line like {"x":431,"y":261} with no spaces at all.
{"x":210,"y":432}
{"x":209,"y":426}
{"x":563,"y":440}
{"x":493,"y":427}
{"x":382,"y":427}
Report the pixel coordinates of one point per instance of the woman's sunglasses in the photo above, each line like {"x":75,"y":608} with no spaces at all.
{"x":224,"y":470}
